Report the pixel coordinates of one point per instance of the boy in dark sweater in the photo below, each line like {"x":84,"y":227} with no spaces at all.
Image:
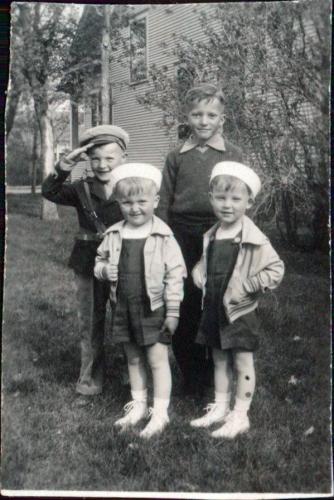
{"x":185,"y":207}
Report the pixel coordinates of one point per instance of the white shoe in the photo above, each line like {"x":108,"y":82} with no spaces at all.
{"x":156,"y":425}
{"x":215,"y":413}
{"x":134,"y":411}
{"x":236,"y":423}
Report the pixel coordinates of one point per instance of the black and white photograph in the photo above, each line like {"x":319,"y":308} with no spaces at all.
{"x":167,"y":162}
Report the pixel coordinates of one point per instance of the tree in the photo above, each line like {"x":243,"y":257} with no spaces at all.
{"x":98,"y":36}
{"x":23,"y":146}
{"x":272,"y":61}
{"x":43,"y":34}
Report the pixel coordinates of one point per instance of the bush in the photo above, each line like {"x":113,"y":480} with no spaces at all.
{"x":272,"y":61}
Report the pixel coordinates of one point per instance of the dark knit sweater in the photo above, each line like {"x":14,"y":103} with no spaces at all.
{"x":185,"y":185}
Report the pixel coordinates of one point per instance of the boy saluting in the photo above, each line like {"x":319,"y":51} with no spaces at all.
{"x":105,"y":146}
{"x":185,"y":207}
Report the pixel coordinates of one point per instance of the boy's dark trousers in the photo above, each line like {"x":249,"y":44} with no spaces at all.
{"x":92,"y":297}
{"x":195,"y":364}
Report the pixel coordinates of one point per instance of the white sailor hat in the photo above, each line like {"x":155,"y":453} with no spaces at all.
{"x":105,"y":134}
{"x":240,"y":171}
{"x":144,"y":170}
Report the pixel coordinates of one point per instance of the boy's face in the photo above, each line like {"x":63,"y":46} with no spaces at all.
{"x":103,"y":159}
{"x":206,"y":119}
{"x":138,"y":209}
{"x":230,"y":206}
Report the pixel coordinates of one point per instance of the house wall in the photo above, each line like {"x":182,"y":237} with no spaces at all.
{"x":148,"y":141}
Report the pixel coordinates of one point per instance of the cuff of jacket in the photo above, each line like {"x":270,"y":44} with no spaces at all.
{"x":252,"y":285}
{"x":173,"y":309}
{"x":62,"y":173}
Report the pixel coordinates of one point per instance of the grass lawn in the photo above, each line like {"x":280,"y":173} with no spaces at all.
{"x":47,"y":443}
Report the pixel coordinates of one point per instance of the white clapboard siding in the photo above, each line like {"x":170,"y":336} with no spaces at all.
{"x":148,"y":141}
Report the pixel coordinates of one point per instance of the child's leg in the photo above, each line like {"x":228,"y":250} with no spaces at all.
{"x":223,"y":371}
{"x":157,"y":356}
{"x":135,"y":356}
{"x":137,"y":408}
{"x":237,"y":421}
{"x":217,"y":411}
{"x":191,"y":357}
{"x":246,"y":379}
{"x":92,"y":297}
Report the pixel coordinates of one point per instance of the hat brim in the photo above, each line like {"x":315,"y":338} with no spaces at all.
{"x":101,"y":140}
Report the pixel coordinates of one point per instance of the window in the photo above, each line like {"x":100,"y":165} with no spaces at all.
{"x":138,"y":50}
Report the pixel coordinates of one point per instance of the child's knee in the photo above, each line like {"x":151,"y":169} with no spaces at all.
{"x":134,"y":355}
{"x":244,"y":364}
{"x":135,"y":360}
{"x":157,"y":356}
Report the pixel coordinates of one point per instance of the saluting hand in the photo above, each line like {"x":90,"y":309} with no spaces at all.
{"x":78,"y":154}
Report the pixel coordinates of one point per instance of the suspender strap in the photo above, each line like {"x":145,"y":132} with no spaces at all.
{"x":87,"y":205}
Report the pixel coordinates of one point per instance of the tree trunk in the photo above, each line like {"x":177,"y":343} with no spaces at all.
{"x":13,"y":98}
{"x":105,"y":53}
{"x":49,"y":209}
{"x":34,"y":159}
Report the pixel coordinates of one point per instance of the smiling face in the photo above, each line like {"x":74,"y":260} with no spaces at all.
{"x":137,"y":202}
{"x":230,"y":200}
{"x":206,"y":118}
{"x":103,"y":159}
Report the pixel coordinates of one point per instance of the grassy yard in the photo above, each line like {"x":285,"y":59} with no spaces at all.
{"x":48,"y":443}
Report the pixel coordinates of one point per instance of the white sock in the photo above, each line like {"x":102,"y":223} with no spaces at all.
{"x":242,"y":405}
{"x":161,"y":405}
{"x":223,"y":398}
{"x":139,"y":395}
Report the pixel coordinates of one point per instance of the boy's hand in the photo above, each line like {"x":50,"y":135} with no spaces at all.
{"x":110,"y":272}
{"x":197,"y":277}
{"x":78,"y":154}
{"x":170,"y":325}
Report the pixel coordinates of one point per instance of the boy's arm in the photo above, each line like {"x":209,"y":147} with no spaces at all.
{"x":169,"y":175}
{"x":175,"y":273}
{"x":53,"y":187}
{"x":269,"y":277}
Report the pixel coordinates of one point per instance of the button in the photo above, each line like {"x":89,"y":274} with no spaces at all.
{"x":237,"y":239}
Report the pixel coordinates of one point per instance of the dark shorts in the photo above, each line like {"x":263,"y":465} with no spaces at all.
{"x":133,"y":321}
{"x":243,"y":334}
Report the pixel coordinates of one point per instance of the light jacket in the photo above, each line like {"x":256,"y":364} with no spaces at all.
{"x":163,"y":263}
{"x":258,"y":268}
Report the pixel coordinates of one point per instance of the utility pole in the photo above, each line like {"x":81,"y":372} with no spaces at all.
{"x":105,"y":59}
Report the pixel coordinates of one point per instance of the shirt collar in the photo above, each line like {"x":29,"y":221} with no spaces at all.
{"x":250,"y":233}
{"x":158,"y":227}
{"x":215,"y":142}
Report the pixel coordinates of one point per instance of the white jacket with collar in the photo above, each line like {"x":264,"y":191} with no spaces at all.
{"x":258,"y":268}
{"x":163,"y":262}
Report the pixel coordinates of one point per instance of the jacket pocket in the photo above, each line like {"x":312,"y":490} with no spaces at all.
{"x":237,"y":291}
